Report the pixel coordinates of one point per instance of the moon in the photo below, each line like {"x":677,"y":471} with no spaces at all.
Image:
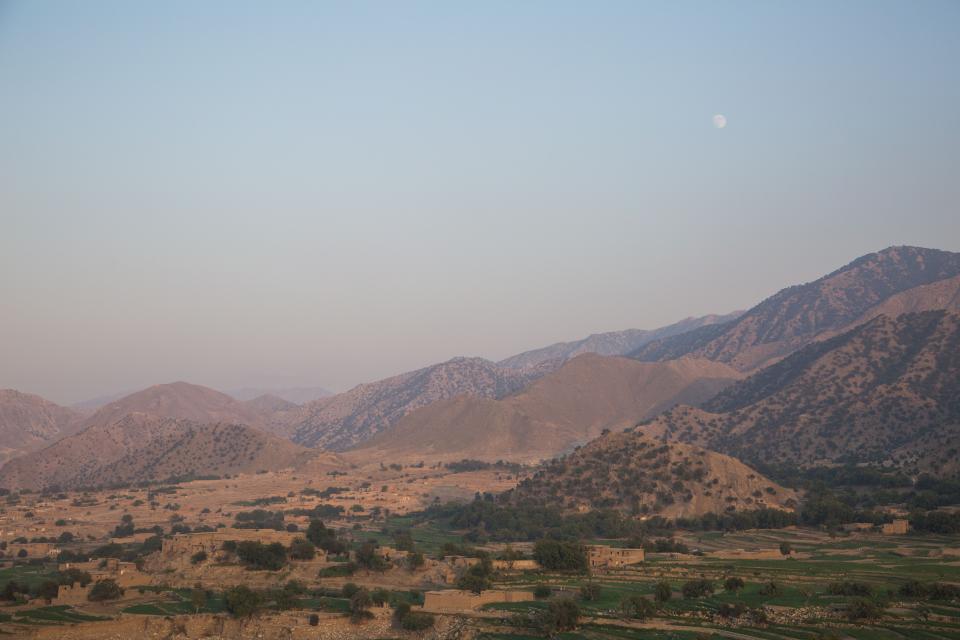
{"x":720,"y":121}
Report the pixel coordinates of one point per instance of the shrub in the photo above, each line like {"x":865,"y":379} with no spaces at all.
{"x":561,"y":615}
{"x":348,"y":590}
{"x":314,"y":619}
{"x":542,"y":591}
{"x":198,"y":557}
{"x":864,"y":609}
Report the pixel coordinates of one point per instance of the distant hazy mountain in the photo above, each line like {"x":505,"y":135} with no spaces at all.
{"x":638,"y":475}
{"x":296,"y":395}
{"x":180,"y":400}
{"x":568,"y":407}
{"x":613,"y":343}
{"x":139,"y":446}
{"x":28,"y":422}
{"x":887,"y":391}
{"x":346,"y":419}
{"x":269,"y":404}
{"x":836,"y":302}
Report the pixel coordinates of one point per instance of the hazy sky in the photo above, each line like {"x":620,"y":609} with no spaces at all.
{"x":326,"y":193}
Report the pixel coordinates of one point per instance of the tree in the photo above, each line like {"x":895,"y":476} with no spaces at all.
{"x":368,"y":558}
{"x":241,"y":601}
{"x":198,"y":598}
{"x":663,"y":591}
{"x":477,"y":577}
{"x":325,"y":538}
{"x":302,"y":549}
{"x":48,"y":590}
{"x":261,"y":556}
{"x":637,"y":607}
{"x":734,"y":584}
{"x":106,"y":589}
{"x":697,"y":589}
{"x":198,"y":557}
{"x":359,"y":603}
{"x":561,"y":614}
{"x":554,"y":555}
{"x":314,"y":620}
{"x":590,"y":591}
{"x":74,"y":575}
{"x":785,"y":548}
{"x":542,"y":591}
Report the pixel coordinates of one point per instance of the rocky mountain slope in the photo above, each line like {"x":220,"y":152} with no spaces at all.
{"x":138,"y":447}
{"x":639,"y":475}
{"x":563,"y":409}
{"x":355,"y":416}
{"x":269,"y":404}
{"x":614,"y":343}
{"x":28,"y":422}
{"x":798,"y":315}
{"x":887,"y":391}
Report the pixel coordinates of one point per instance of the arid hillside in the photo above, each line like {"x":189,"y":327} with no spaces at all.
{"x":349,"y":418}
{"x":887,"y":391}
{"x":613,"y":343}
{"x":28,"y":422}
{"x":639,"y":475}
{"x":801,"y":314}
{"x":180,"y":400}
{"x":140,"y":447}
{"x":568,"y":407}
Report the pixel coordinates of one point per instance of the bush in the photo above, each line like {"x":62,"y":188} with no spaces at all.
{"x":314,"y":619}
{"x":359,"y":603}
{"x":198,"y":557}
{"x":105,"y":589}
{"x":348,"y":590}
{"x":542,"y":591}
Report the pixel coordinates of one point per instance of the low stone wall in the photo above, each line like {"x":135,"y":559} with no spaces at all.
{"x":454,"y":600}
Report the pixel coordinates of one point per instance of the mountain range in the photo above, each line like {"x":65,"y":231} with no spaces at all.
{"x":350,"y":418}
{"x":612,"y":343}
{"x":885,"y":392}
{"x":563,"y":409}
{"x":798,"y":315}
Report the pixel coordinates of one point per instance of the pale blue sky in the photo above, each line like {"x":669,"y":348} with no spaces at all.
{"x":327,"y":193}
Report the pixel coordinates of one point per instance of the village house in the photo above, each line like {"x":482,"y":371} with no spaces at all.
{"x":602,"y":557}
